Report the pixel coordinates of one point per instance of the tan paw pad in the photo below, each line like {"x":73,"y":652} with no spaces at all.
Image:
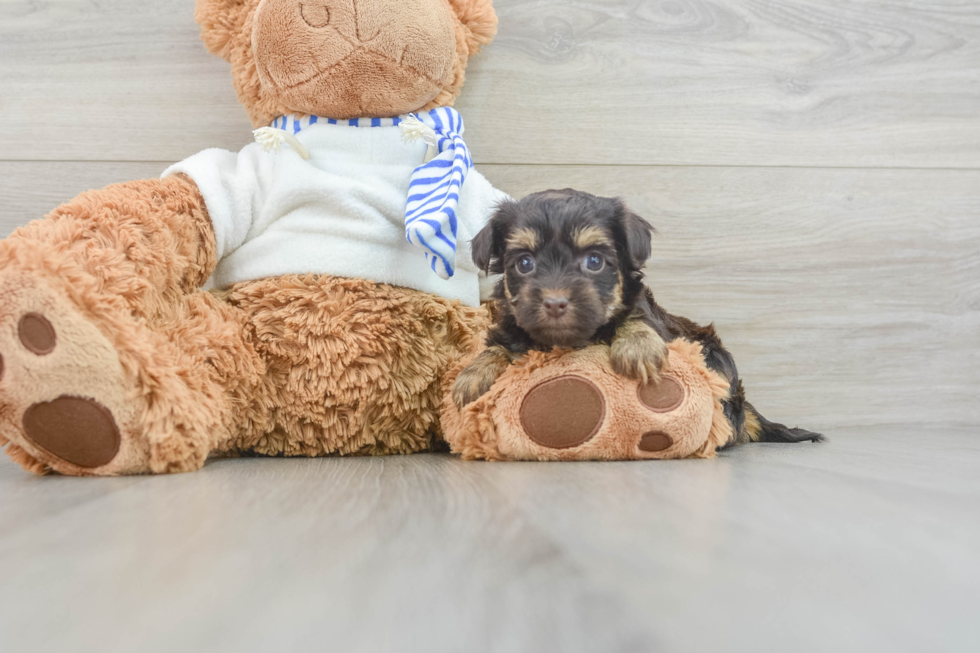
{"x":37,"y":334}
{"x":65,"y":398}
{"x":563,"y":413}
{"x":654,"y":441}
{"x":77,"y":430}
{"x":663,"y":396}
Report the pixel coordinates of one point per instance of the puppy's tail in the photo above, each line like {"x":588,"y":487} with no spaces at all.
{"x":758,"y":429}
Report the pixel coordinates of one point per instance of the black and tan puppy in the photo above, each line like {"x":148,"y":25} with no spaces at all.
{"x":572,"y":266}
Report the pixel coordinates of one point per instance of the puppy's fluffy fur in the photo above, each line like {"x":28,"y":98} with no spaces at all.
{"x":572,"y":275}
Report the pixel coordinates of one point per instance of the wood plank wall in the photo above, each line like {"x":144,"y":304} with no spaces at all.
{"x":813,"y":166}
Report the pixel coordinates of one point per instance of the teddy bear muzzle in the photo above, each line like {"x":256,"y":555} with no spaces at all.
{"x":346,"y":59}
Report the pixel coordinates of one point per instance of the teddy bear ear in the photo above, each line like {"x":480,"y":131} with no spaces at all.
{"x":479,"y":19}
{"x":221,"y":23}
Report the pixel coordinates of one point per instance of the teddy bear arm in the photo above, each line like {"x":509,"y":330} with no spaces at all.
{"x":142,"y":239}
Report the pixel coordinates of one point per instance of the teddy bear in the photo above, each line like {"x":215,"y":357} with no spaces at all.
{"x":342,"y":290}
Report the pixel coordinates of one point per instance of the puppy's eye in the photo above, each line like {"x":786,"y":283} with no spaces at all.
{"x":525,"y":265}
{"x":594,"y":263}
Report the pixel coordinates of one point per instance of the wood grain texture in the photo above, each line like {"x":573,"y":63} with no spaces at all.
{"x":865,"y":543}
{"x":30,"y":189}
{"x":111,"y":80}
{"x":799,"y":82}
{"x":849,"y":297}
{"x":802,"y":82}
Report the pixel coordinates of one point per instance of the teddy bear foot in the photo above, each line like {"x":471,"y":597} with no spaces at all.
{"x":572,"y":406}
{"x":63,"y":391}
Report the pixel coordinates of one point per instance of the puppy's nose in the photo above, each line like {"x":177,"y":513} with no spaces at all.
{"x":556,"y":306}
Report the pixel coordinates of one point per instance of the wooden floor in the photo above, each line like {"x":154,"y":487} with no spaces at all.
{"x":813,"y":168}
{"x":866,"y":543}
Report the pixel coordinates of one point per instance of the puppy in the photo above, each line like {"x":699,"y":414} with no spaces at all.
{"x":572,"y":275}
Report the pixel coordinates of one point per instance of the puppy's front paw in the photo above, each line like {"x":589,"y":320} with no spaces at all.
{"x":478,"y":377}
{"x":470,"y":386}
{"x":639,"y":355}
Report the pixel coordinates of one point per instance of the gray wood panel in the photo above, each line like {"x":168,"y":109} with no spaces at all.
{"x":849,"y":297}
{"x":865,"y":543}
{"x":802,"y":82}
{"x":30,"y":189}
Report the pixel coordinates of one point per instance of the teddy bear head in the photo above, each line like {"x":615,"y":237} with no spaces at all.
{"x":345,"y":58}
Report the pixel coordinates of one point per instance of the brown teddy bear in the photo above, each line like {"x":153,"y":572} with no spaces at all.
{"x":340,"y":301}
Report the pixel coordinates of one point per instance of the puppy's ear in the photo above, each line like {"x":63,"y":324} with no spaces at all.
{"x":638,"y":232}
{"x":488,"y":245}
{"x":482,"y":247}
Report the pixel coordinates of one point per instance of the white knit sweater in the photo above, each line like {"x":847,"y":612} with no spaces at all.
{"x":341,"y":212}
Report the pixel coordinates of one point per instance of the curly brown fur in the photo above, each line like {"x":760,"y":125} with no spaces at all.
{"x":351,"y":366}
{"x":572,"y":275}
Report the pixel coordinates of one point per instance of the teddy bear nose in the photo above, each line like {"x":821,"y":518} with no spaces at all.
{"x":315,"y":14}
{"x":556,"y":306}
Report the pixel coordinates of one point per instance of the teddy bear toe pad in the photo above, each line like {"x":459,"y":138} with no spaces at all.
{"x":663,"y":396}
{"x":63,"y":392}
{"x":655,"y":441}
{"x":564,"y":412}
{"x":78,"y":430}
{"x":37,"y":334}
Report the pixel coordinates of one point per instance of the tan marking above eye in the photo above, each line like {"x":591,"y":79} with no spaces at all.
{"x":591,"y":236}
{"x":523,"y":238}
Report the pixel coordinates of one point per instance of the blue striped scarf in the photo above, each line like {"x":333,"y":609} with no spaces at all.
{"x":433,"y":190}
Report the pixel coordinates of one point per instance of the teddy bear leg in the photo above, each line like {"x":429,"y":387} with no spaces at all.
{"x":99,"y":373}
{"x":353,"y":367}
